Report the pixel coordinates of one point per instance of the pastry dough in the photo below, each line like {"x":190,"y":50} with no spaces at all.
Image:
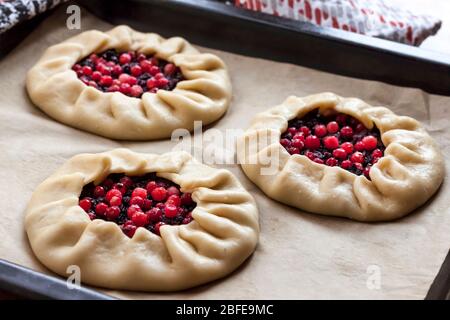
{"x":410,"y":172}
{"x":222,"y":235}
{"x":204,"y":95}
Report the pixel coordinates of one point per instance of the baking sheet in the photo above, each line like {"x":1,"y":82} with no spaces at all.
{"x":300,"y":255}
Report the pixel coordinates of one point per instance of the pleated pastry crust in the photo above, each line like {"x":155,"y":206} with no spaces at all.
{"x":410,"y":172}
{"x":203,"y":95}
{"x":222,"y":235}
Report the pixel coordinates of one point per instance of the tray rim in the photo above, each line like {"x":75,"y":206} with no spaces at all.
{"x":31,"y":284}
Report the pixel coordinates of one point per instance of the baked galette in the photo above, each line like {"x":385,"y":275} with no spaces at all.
{"x":340,"y":156}
{"x":142,"y":221}
{"x":124,"y":84}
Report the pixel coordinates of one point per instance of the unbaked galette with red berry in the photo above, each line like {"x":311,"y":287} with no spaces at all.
{"x":340,"y":156}
{"x":142,"y":221}
{"x":124,"y":84}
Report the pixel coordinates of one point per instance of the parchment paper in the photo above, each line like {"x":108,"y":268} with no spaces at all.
{"x":300,"y":255}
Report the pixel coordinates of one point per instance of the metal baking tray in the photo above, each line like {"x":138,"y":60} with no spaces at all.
{"x":216,"y":24}
{"x":24,"y":283}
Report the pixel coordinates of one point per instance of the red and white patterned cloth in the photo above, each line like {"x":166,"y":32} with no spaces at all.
{"x":370,"y":17}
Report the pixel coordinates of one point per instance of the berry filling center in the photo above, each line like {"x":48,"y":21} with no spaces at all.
{"x":137,"y":201}
{"x":334,"y":140}
{"x":131,"y":73}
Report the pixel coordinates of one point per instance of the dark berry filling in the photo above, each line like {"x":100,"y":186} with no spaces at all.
{"x":131,"y":73}
{"x":137,"y":201}
{"x":334,"y":140}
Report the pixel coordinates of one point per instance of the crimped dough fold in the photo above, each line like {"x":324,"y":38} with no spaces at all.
{"x":410,"y":172}
{"x":204,"y":95}
{"x":222,"y":235}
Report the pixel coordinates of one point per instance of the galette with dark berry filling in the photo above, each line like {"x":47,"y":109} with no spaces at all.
{"x":340,"y":156}
{"x":124,"y":84}
{"x":142,"y":221}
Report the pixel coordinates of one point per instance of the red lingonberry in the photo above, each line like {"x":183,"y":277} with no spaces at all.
{"x":305,"y":131}
{"x":99,"y":191}
{"x":113,"y":193}
{"x":131,"y":211}
{"x":139,"y":192}
{"x":331,"y":142}
{"x":359,"y":146}
{"x":292,"y":130}
{"x":121,"y":187}
{"x":154,"y":214}
{"x":299,"y":136}
{"x":175,"y":199}
{"x":137,"y":201}
{"x":116,"y":70}
{"x":129,"y":229}
{"x":312,"y":142}
{"x":106,"y":80}
{"x":320,"y":130}
{"x":186,"y":199}
{"x":136,"y":70}
{"x":145,"y":65}
{"x":347,"y":146}
{"x":172,"y":191}
{"x":332,"y":127}
{"x":370,"y":142}
{"x":152,"y":83}
{"x":87,"y":71}
{"x":115,"y":201}
{"x":346,"y":164}
{"x":285,"y":142}
{"x":159,"y":194}
{"x":297,"y":143}
{"x":154,"y":70}
{"x":169,"y":69}
{"x":170,"y":210}
{"x":377,"y":153}
{"x":310,"y":155}
{"x":126,"y":181}
{"x":139,"y":218}
{"x":151,"y":186}
{"x":147,"y":204}
{"x":163,"y":82}
{"x":125,"y":88}
{"x":357,"y":157}
{"x":96,"y":76}
{"x":125,"y":58}
{"x":346,"y":132}
{"x":113,"y":88}
{"x":331,"y":162}
{"x":85,"y":204}
{"x":136,"y":91}
{"x":318,"y":160}
{"x":112,"y":213}
{"x":100,"y":209}
{"x":340,"y":153}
